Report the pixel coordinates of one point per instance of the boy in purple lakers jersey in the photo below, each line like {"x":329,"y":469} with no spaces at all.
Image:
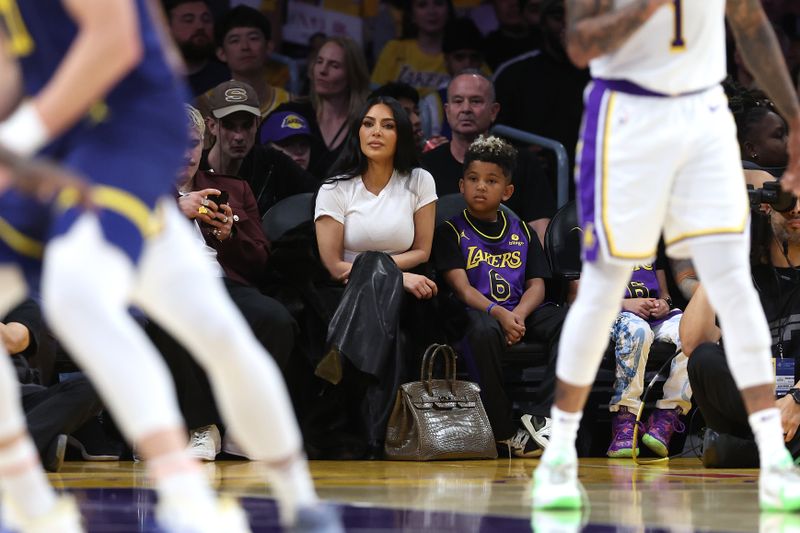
{"x":495,"y":266}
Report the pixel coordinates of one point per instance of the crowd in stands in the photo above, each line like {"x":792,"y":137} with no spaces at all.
{"x":378,"y":128}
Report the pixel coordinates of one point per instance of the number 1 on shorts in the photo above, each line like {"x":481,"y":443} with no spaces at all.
{"x":678,"y":44}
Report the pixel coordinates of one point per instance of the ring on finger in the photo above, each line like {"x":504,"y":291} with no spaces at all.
{"x":204,"y":202}
{"x":224,"y":219}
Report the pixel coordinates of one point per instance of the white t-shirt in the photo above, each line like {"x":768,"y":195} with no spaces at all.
{"x":382,"y":222}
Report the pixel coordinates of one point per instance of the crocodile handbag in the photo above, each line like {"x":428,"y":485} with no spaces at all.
{"x":439,"y":418}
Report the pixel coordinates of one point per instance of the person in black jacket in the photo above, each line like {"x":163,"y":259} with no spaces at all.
{"x":234,"y":121}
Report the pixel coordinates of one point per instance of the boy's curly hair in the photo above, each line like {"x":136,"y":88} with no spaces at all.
{"x":495,"y":150}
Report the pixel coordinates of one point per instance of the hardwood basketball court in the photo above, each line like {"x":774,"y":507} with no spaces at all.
{"x":457,"y":496}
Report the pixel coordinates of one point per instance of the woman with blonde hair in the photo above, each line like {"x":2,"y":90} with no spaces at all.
{"x":339,"y":87}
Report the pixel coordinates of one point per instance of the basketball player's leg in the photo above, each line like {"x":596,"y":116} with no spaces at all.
{"x":180,"y":290}
{"x":621,"y":215}
{"x":724,"y":270}
{"x":709,"y":222}
{"x":29,"y":500}
{"x":584,"y":338}
{"x":86,"y":286}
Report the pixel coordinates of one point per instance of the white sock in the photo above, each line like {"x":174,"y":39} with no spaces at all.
{"x":178,"y":477}
{"x":562,"y":434}
{"x":292,"y":486}
{"x":23,"y":481}
{"x":766,"y":426}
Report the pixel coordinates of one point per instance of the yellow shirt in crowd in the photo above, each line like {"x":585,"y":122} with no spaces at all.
{"x":403,"y":60}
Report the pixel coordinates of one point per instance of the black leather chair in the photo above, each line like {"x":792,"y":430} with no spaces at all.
{"x":287,"y":214}
{"x":562,"y":246}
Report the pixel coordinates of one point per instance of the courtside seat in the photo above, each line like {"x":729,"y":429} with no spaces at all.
{"x":287,"y":214}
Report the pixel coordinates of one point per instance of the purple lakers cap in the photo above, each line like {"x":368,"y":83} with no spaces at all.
{"x":282,"y":125}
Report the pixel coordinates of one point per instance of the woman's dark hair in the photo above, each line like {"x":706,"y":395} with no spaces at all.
{"x":397,"y":90}
{"x":492,"y":150}
{"x":352,"y":162}
{"x":409,"y":30}
{"x":748,"y":106}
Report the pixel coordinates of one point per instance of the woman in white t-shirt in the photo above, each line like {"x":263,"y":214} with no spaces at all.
{"x":374,"y":224}
{"x":382,"y":202}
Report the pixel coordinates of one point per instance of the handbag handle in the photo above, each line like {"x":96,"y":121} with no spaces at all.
{"x":425,"y":358}
{"x":450,"y":366}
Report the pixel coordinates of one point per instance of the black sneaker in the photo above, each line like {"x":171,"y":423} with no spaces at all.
{"x":53,"y":458}
{"x":91,"y":441}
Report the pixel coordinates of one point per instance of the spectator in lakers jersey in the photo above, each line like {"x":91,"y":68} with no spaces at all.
{"x":417,"y":58}
{"x":495,"y":266}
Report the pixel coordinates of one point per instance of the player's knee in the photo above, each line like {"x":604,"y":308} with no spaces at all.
{"x":74,"y":287}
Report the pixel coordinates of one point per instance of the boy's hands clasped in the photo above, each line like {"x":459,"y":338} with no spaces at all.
{"x":513,"y":324}
{"x":646,"y":308}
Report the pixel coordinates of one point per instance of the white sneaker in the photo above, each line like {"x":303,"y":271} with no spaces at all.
{"x":186,"y":516}
{"x":539,"y":427}
{"x":530,"y":440}
{"x":205,"y":443}
{"x":779,"y":523}
{"x":230,"y":446}
{"x":556,"y":485}
{"x":779,"y":486}
{"x":521,"y":445}
{"x":561,"y":521}
{"x":64,"y":517}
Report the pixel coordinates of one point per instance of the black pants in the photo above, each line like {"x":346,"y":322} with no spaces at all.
{"x":61,"y":408}
{"x":486,"y":345}
{"x":374,"y":341}
{"x":270,"y":321}
{"x":272,"y":325}
{"x":717,"y":396}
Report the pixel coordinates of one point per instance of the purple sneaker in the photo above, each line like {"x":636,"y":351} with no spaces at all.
{"x":660,"y":427}
{"x":622,"y":425}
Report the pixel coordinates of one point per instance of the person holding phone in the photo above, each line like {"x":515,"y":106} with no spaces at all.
{"x":226,"y":214}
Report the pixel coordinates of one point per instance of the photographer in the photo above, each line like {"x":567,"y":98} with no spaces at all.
{"x":776,"y":276}
{"x":225,"y":211}
{"x":762,"y":134}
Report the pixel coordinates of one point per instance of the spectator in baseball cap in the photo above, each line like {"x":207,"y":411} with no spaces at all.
{"x":289,"y":132}
{"x":235,"y":114}
{"x":232,"y":96}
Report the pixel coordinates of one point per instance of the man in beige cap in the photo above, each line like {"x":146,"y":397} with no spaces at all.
{"x":233,"y":119}
{"x":233,"y":122}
